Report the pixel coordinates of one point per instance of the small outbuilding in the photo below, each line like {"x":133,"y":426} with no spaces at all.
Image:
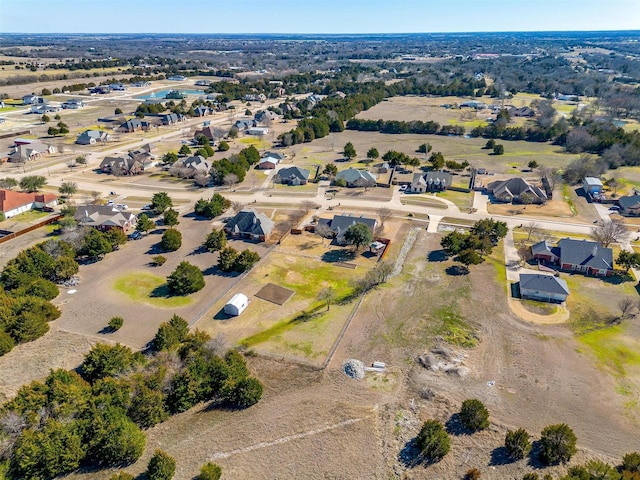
{"x":238,"y":303}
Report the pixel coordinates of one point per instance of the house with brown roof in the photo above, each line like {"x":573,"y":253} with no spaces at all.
{"x":13,"y":203}
{"x":104,"y":217}
{"x":516,"y":190}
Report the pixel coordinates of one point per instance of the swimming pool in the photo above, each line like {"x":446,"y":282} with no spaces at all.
{"x":163,"y":93}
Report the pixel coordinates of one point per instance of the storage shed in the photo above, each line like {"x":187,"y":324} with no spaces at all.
{"x":238,"y":303}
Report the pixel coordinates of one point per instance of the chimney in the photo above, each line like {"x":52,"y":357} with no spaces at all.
{"x":595,"y":250}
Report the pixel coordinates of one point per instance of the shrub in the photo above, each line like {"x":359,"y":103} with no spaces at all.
{"x":247,"y":392}
{"x":209,"y":471}
{"x":223,"y":146}
{"x":472,"y":474}
{"x":158,"y":260}
{"x":162,"y":466}
{"x":557,"y":444}
{"x":433,"y":440}
{"x":116,"y":323}
{"x":185,"y":279}
{"x":122,"y":476}
{"x":171,"y":240}
{"x":474,"y":415}
{"x":517,"y":443}
{"x":498,"y":149}
{"x":631,"y":462}
{"x":106,"y":361}
{"x":171,"y":334}
{"x":6,"y":342}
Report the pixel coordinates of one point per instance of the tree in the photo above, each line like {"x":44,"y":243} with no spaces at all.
{"x":116,"y":237}
{"x":609,"y":231}
{"x":246,"y":392}
{"x":223,"y":146}
{"x":185,"y":279}
{"x":433,"y":440}
{"x":628,"y":260}
{"x":170,"y":158}
{"x":215,"y":241}
{"x":469,"y":257}
{"x":373,"y":153}
{"x":498,"y":149}
{"x":107,"y":361}
{"x":628,"y":308}
{"x":349,"y":151}
{"x":116,"y":323}
{"x":184,"y":150}
{"x":245,"y":261}
{"x":323,"y":231}
{"x":213,"y":207}
{"x":532,"y":164}
{"x":209,"y":471}
{"x":171,"y":240}
{"x":170,"y":334}
{"x":358,"y":235}
{"x":437,"y":160}
{"x":230,"y":180}
{"x":8,"y":183}
{"x":80,"y":160}
{"x":517,"y":443}
{"x":63,"y":128}
{"x":32,"y":183}
{"x":424,"y":148}
{"x":557,"y":444}
{"x":117,"y":440}
{"x":162,"y":466}
{"x":170,"y":218}
{"x":330,"y":170}
{"x":474,"y":415}
{"x":122,"y":476}
{"x":490,"y":144}
{"x":144,"y":224}
{"x":532,"y":229}
{"x":45,"y":119}
{"x":227,"y":259}
{"x":117,"y":111}
{"x":158,"y":260}
{"x":95,"y":244}
{"x":160,"y":202}
{"x":384,"y":214}
{"x":327,"y":295}
{"x":631,"y":462}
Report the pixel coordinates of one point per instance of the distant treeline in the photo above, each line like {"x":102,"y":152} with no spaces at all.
{"x":398,"y":127}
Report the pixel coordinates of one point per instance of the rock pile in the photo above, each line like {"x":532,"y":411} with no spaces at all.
{"x":354,"y":368}
{"x":443,"y":359}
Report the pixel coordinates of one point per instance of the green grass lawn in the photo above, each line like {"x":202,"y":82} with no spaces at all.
{"x":611,"y":350}
{"x":257,"y":142}
{"x":30,"y":216}
{"x":424,"y":201}
{"x":461,"y":199}
{"x":148,"y":288}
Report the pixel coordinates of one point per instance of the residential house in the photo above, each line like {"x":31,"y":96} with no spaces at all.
{"x":119,"y":166}
{"x":202,"y":83}
{"x":91,"y":137}
{"x":338,"y":94}
{"x":521,"y":112}
{"x":100,"y":89}
{"x":30,"y":151}
{"x":292,"y":176}
{"x":202,"y":111}
{"x":259,"y":131}
{"x":516,"y":190}
{"x":249,"y":224}
{"x":629,"y":205}
{"x":312,"y":100}
{"x":431,"y":181}
{"x":238,"y":304}
{"x":339,"y":225}
{"x":73,"y":104}
{"x":195,"y":164}
{"x":118,"y":87}
{"x":592,"y":186}
{"x":545,"y":288}
{"x":104,"y":217}
{"x":242,"y":125}
{"x":543,"y":251}
{"x":266,"y":117}
{"x":43,"y":108}
{"x":289,"y":108}
{"x":13,"y":203}
{"x":255,"y":97}
{"x":474,"y":104}
{"x":354,"y":177}
{"x":133,"y":125}
{"x":141,"y":84}
{"x":576,"y":256}
{"x":32,"y":99}
{"x":177,"y":78}
{"x":384,"y":168}
{"x":172,"y":118}
{"x":208,"y":131}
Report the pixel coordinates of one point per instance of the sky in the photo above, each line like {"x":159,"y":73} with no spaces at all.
{"x":317,"y":16}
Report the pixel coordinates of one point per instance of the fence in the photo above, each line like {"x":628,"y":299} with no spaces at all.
{"x":13,"y":235}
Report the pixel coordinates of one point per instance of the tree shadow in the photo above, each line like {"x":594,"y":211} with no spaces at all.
{"x":106,"y":330}
{"x":198,"y":251}
{"x":214,"y":270}
{"x":499,"y":456}
{"x":196,"y":217}
{"x":409,"y":455}
{"x":534,"y":456}
{"x":437,"y":256}
{"x":161,"y":291}
{"x":457,"y":270}
{"x":155,"y":249}
{"x":455,"y":426}
{"x":338,"y":255}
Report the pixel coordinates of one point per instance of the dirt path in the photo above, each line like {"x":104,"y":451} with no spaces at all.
{"x":560,"y":316}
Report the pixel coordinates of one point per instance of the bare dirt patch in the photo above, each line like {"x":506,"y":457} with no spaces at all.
{"x":275,"y":294}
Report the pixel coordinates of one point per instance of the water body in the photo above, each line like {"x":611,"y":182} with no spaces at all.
{"x":163,"y":93}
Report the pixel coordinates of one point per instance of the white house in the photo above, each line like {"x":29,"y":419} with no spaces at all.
{"x":258,"y":131}
{"x":238,"y":303}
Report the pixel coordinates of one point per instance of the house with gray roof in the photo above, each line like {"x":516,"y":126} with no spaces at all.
{"x":172,"y":118}
{"x":629,"y":205}
{"x":243,"y":125}
{"x":91,"y":137}
{"x":354,"y":177}
{"x":73,"y":104}
{"x":516,"y":190}
{"x":202,"y":111}
{"x":545,"y":288}
{"x":266,"y":116}
{"x":249,"y":224}
{"x":195,"y":164}
{"x":339,"y":225}
{"x":586,"y":257}
{"x":545,"y":252}
{"x":33,"y":150}
{"x":436,"y":181}
{"x":133,"y":125}
{"x":292,"y":176}
{"x":104,"y":217}
{"x":119,"y":166}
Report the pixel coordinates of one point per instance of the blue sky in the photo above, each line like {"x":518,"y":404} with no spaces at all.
{"x":318,"y":16}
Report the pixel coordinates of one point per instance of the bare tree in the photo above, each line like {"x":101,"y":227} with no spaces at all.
{"x":95,"y":196}
{"x":218,"y":346}
{"x":551,"y":175}
{"x":609,"y":231}
{"x":523,"y":252}
{"x":532,"y":229}
{"x":327,"y":295}
{"x":237,"y":207}
{"x":382,"y":271}
{"x":296,"y":217}
{"x":628,"y":308}
{"x":384,"y":214}
{"x":323,"y":231}
{"x":308,"y":205}
{"x":201,"y":179}
{"x":230,"y":180}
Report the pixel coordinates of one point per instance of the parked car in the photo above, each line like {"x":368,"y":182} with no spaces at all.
{"x":403,"y":187}
{"x":135,"y":236}
{"x":146,"y":207}
{"x":122,"y":206}
{"x":159,"y":222}
{"x":614,"y":207}
{"x":110,"y":202}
